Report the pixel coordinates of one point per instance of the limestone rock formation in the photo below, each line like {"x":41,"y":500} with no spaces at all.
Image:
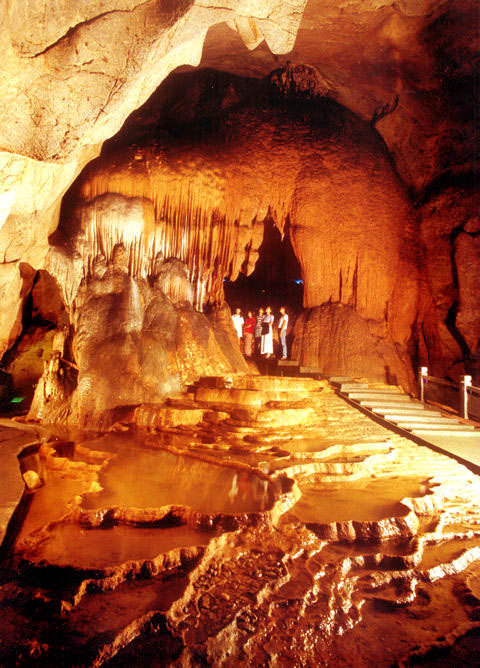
{"x":65,"y":90}
{"x":134,"y":341}
{"x":257,"y":520}
{"x":334,"y":337}
{"x":450,"y":229}
{"x":321,"y":174}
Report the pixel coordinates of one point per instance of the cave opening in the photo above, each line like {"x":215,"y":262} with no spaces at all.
{"x":276,"y":280}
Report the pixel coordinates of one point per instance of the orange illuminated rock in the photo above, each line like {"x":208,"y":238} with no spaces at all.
{"x":326,"y":181}
{"x":449,"y":228}
{"x":294,"y":549}
{"x":132,"y":345}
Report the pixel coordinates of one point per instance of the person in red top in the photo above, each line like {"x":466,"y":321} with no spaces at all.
{"x":248,"y":329}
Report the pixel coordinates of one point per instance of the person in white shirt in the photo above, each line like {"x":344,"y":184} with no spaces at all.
{"x":238,"y":323}
{"x":266,"y":347}
{"x":282,"y":331}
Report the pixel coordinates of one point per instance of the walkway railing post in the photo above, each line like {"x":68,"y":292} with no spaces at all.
{"x":422,"y":374}
{"x":465,"y":383}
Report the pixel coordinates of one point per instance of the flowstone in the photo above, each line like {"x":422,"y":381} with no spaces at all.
{"x":135,"y":339}
{"x":248,"y":538}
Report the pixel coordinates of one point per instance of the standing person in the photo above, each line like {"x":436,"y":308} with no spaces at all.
{"x":238,"y":321}
{"x":282,"y":331}
{"x":258,"y":330}
{"x":248,"y":333}
{"x":267,"y":333}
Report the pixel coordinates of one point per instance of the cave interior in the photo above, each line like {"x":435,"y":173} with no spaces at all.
{"x":163,"y":164}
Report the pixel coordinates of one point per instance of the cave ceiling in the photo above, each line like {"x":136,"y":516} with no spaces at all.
{"x":408,"y":67}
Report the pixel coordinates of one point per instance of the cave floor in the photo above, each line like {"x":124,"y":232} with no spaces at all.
{"x":253,"y":521}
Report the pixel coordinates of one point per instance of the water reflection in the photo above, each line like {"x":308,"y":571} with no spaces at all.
{"x":361,"y":500}
{"x":70,"y":545}
{"x":151,"y":479}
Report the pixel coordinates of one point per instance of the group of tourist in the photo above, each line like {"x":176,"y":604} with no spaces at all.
{"x":257,"y":331}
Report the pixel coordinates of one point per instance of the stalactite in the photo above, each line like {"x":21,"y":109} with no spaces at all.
{"x":194,"y":220}
{"x":204,"y":241}
{"x":182,"y":204}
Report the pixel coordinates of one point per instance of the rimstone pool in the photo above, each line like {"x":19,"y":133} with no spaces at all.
{"x":154,"y":545}
{"x":147,"y":478}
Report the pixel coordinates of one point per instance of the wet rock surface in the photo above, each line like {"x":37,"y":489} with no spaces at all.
{"x":289,"y":530}
{"x":13,"y":441}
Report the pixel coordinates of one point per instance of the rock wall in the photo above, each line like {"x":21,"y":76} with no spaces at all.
{"x":131,"y":343}
{"x":450,"y":232}
{"x":353,"y":230}
{"x":336,"y":339}
{"x":324,"y":177}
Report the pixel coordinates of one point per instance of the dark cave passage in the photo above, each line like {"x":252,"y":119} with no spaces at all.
{"x":276,"y":280}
